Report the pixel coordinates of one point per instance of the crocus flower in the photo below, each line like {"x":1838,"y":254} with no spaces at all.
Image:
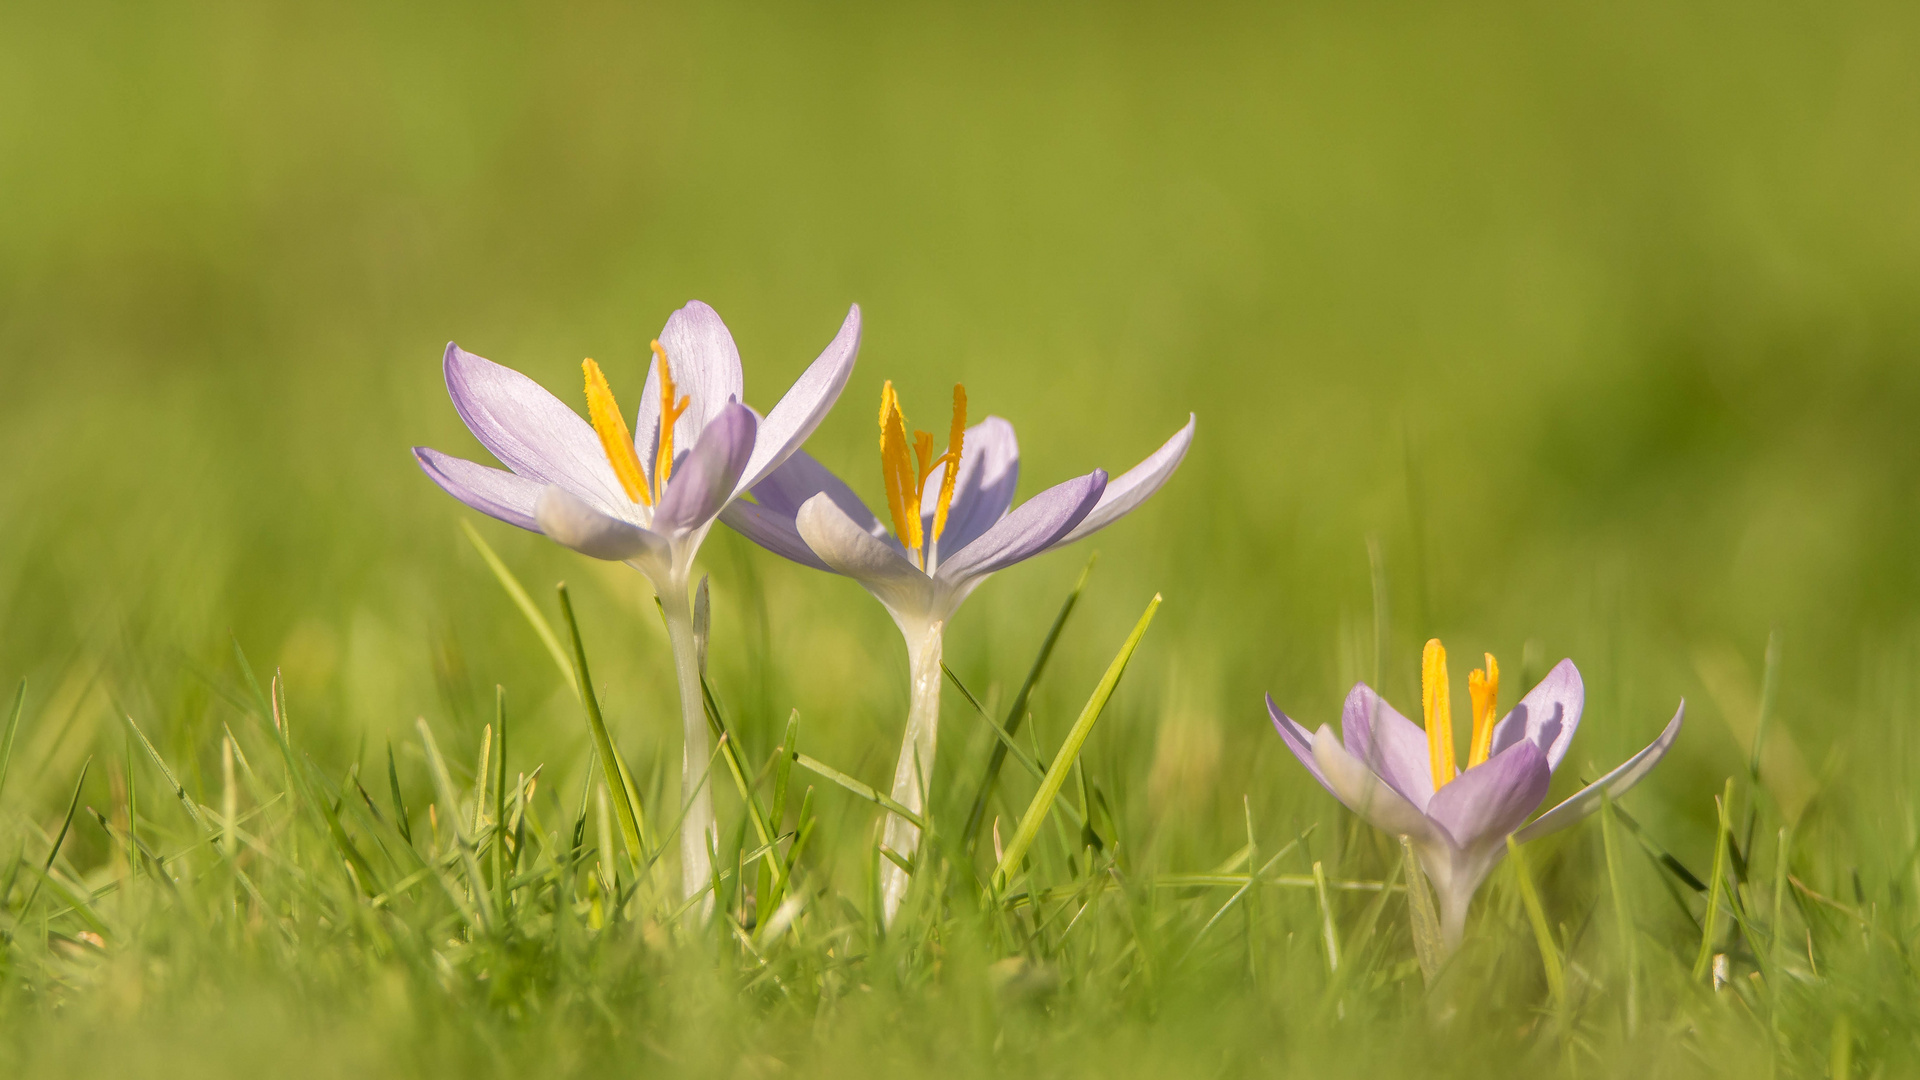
{"x":1405,"y":781}
{"x":954,"y":524}
{"x":647,"y":498}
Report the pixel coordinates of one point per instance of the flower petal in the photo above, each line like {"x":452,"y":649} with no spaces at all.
{"x":1134,"y":486}
{"x":494,"y":492}
{"x":800,"y":478}
{"x":528,"y":429}
{"x":1547,"y":716}
{"x":1366,"y":794}
{"x":848,"y":549}
{"x":1394,"y":747}
{"x":1493,"y":798}
{"x":1300,"y":741}
{"x":1035,"y":526}
{"x":772,"y":530}
{"x":706,"y":371}
{"x":983,"y":490}
{"x":1615,"y":783}
{"x":703,"y":481}
{"x":570,"y":521}
{"x":805,"y":403}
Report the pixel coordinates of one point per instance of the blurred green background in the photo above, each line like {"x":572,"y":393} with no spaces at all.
{"x":1598,"y":320}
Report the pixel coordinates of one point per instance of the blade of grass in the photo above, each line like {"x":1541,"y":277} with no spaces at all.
{"x":1328,"y":936}
{"x":1018,"y":710}
{"x":443,"y":788}
{"x":400,"y":820}
{"x":173,"y":782}
{"x":13,"y":728}
{"x":66,"y":824}
{"x":822,"y":769}
{"x":523,"y":601}
{"x":609,"y":757}
{"x":1629,"y":946}
{"x":1428,"y":948}
{"x":1069,"y":751}
{"x":1542,"y":930}
{"x":1710,"y":928}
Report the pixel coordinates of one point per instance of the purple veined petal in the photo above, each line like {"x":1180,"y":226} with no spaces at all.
{"x":1136,"y":485}
{"x":706,"y":371}
{"x":494,"y":492}
{"x":983,"y":489}
{"x":570,"y":521}
{"x":1300,"y":741}
{"x":771,"y":530}
{"x":1615,"y":784}
{"x":1494,"y":797}
{"x":848,"y":549}
{"x":805,"y":403}
{"x":800,"y":478}
{"x":1547,"y":716}
{"x":1366,"y":794}
{"x":1394,"y":747}
{"x":1033,"y":527}
{"x":703,"y":481}
{"x":528,"y":429}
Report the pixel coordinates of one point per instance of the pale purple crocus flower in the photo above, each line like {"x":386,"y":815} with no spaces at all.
{"x":1383,"y":767}
{"x":646,"y":499}
{"x":938,"y":553}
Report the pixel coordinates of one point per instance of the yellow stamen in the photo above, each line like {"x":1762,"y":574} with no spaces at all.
{"x":896,"y":471}
{"x":906,"y":468}
{"x":956,"y":435}
{"x":615,"y":439}
{"x":670,"y":410}
{"x":1436,"y":704}
{"x":1484,"y":686}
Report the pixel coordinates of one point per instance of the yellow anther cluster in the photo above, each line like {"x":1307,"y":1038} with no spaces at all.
{"x":617,"y":442}
{"x":1483,"y":685}
{"x":905,"y":470}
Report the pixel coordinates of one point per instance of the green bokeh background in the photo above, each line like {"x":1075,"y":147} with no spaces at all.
{"x":1598,"y":319}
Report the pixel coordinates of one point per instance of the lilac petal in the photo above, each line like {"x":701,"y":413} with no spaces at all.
{"x":706,"y":371}
{"x":1366,"y":794}
{"x":528,"y":429}
{"x":1034,"y":527}
{"x":1300,"y":741}
{"x":703,"y":481}
{"x":772,"y":530}
{"x":1494,"y":797}
{"x":1547,"y":716}
{"x":570,"y":521}
{"x":1136,"y":485}
{"x":1615,"y":784}
{"x":848,"y":549}
{"x":983,"y":489}
{"x":805,"y":403}
{"x":1393,"y":746}
{"x":800,"y":478}
{"x":494,"y":492}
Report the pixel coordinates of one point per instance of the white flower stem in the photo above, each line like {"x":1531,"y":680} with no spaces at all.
{"x":915,"y":769}
{"x":696,"y":828}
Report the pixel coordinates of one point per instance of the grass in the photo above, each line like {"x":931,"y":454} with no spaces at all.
{"x":1549,"y":332}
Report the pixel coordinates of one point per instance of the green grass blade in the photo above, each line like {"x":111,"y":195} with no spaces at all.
{"x":1710,"y":925}
{"x":609,"y":757}
{"x":523,"y":601}
{"x":1629,"y":946}
{"x":858,"y":788}
{"x":400,"y":819}
{"x":173,"y":782}
{"x":1428,"y":946}
{"x":1017,"y":712}
{"x":443,"y":788}
{"x":66,"y":824}
{"x":1542,"y":930}
{"x":13,"y":728}
{"x":1043,"y":799}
